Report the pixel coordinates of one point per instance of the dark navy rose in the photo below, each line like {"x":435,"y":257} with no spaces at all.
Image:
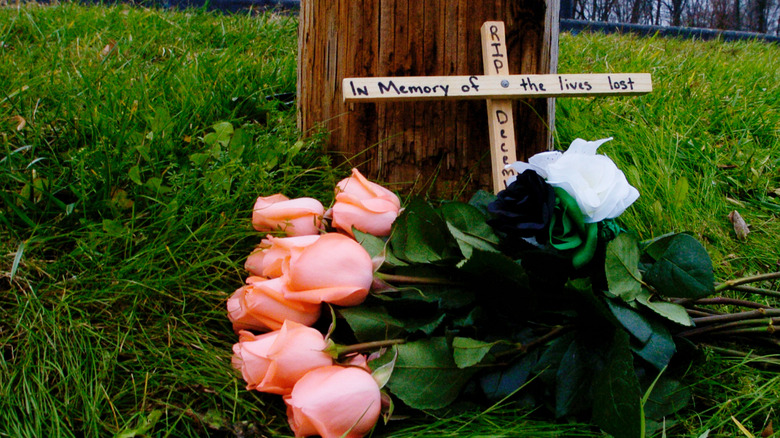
{"x":523,"y":209}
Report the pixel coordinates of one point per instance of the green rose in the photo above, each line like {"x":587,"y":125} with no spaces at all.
{"x":568,"y":231}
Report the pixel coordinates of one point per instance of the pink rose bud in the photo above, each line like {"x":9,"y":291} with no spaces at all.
{"x":250,"y":356}
{"x":367,"y":206}
{"x":266,"y":260}
{"x":295,"y":217}
{"x":333,"y":402}
{"x":334,"y":269}
{"x":262,"y":306}
{"x":275,"y":361}
{"x":358,"y":360}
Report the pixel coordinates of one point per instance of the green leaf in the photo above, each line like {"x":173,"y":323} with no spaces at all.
{"x":551,"y":358}
{"x":671,"y":311}
{"x":656,"y":247}
{"x":503,"y":272}
{"x":469,"y":352}
{"x":372,"y":244}
{"x":113,"y":228}
{"x":199,"y":159}
{"x":426,"y":376}
{"x":377,"y":247}
{"x":572,"y":382}
{"x":372,"y":323}
{"x":500,"y":384}
{"x":445,"y":297}
{"x":143,"y":427}
{"x":668,"y":396}
{"x":161,"y":122}
{"x":469,"y":220}
{"x":155,"y":185}
{"x":481,"y":199}
{"x":420,"y":235}
{"x":223,"y":131}
{"x":616,"y":393}
{"x":476,"y":314}
{"x":680,"y":192}
{"x":622,"y":267}
{"x":135,"y":175}
{"x":426,"y":325}
{"x":240,"y":140}
{"x":215,"y":419}
{"x":382,"y":367}
{"x":684,"y":270}
{"x":467,"y":243}
{"x":632,"y":321}
{"x":659,"y":349}
{"x":144,"y":150}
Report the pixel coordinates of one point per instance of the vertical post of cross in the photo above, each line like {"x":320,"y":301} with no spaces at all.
{"x":500,"y":119}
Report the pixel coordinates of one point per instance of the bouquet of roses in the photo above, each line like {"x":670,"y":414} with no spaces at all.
{"x":535,"y":292}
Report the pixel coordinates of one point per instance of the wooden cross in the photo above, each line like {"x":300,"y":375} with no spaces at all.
{"x":498,"y":87}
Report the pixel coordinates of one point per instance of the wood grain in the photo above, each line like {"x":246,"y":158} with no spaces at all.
{"x":433,"y":147}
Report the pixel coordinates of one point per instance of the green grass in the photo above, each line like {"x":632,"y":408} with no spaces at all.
{"x":125,"y":216}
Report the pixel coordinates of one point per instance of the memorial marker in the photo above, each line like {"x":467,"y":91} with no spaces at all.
{"x":501,"y":123}
{"x":496,"y":86}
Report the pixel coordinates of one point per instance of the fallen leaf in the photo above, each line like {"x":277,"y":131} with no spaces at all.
{"x":768,"y":430}
{"x":740,"y":226}
{"x":120,"y":199}
{"x":20,"y":122}
{"x":108,"y":48}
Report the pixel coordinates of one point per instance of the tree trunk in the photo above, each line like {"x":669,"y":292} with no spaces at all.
{"x":440,"y":148}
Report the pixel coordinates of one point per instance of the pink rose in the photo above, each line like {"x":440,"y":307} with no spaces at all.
{"x":266,"y":260}
{"x":275,"y":361}
{"x":262,"y":305}
{"x":250,"y":356}
{"x":332,"y":402}
{"x":334,"y":269}
{"x":295,"y":217}
{"x":367,"y":206}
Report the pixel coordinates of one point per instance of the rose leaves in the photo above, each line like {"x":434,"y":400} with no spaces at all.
{"x":587,"y":347}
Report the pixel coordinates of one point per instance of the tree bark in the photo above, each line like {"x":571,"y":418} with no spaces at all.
{"x":440,"y":148}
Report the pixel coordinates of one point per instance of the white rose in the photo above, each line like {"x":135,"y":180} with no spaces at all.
{"x":600,"y":188}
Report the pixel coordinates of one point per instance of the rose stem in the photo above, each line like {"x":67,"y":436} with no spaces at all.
{"x":695,"y":313}
{"x":752,"y":314}
{"x":745,"y":330}
{"x":716,"y":327}
{"x":703,"y":310}
{"x":554,"y":333}
{"x":373,"y":345}
{"x":415,"y":280}
{"x":524,"y":348}
{"x":732,"y":301}
{"x":739,"y":281}
{"x":757,"y":291}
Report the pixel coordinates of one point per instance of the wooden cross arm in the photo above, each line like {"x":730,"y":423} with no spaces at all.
{"x":494,"y":86}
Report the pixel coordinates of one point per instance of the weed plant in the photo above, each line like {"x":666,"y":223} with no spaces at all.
{"x":134,"y":142}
